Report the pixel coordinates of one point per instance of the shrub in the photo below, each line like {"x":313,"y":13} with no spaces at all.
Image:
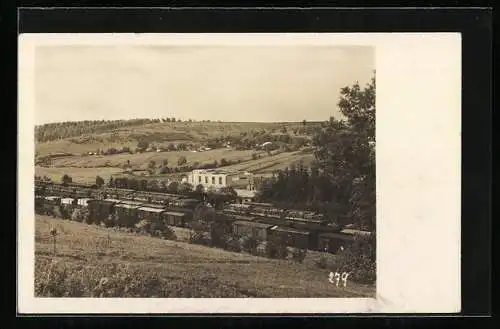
{"x":168,"y":233}
{"x":276,"y":248}
{"x":232,"y":244}
{"x":359,"y":260}
{"x":299,"y":255}
{"x":248,"y":244}
{"x":110,"y":220}
{"x":80,"y":215}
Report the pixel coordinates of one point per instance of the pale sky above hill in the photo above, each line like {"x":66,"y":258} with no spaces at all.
{"x":228,"y":83}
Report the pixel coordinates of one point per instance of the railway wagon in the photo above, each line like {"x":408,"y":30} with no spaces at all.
{"x":67,"y":207}
{"x":258,"y":231}
{"x":41,"y":206}
{"x":174,"y":218}
{"x":99,"y":210}
{"x":185,"y":203}
{"x":53,"y":200}
{"x":331,"y":242}
{"x":83,"y":202}
{"x":152,"y":216}
{"x":292,"y":237}
{"x":126,"y":214}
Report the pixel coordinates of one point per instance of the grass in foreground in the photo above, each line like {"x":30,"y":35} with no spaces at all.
{"x":91,"y":263}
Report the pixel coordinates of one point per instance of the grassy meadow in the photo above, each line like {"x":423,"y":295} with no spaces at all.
{"x":92,"y":261}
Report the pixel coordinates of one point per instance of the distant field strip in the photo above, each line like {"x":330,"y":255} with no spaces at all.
{"x":143,"y":159}
{"x":79,"y":175}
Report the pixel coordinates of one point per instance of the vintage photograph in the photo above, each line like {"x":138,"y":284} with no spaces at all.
{"x":204,"y":171}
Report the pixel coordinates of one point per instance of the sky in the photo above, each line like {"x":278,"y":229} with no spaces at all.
{"x":227,"y":83}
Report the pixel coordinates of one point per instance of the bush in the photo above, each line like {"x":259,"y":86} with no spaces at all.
{"x":299,"y":255}
{"x":359,"y":260}
{"x":276,"y":249}
{"x":110,"y":220}
{"x":199,"y":238}
{"x":232,"y":244}
{"x":248,"y":244}
{"x":80,"y":215}
{"x":168,"y":233}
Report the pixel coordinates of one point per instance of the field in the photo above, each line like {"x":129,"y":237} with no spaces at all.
{"x":79,"y":175}
{"x":143,"y":159}
{"x":84,"y":168}
{"x":92,"y":261}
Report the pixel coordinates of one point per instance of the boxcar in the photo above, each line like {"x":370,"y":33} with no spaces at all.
{"x":173,"y":218}
{"x":293,"y":237}
{"x":83,"y":202}
{"x":100,"y":209}
{"x":258,"y":231}
{"x":153,"y":216}
{"x":53,"y":200}
{"x":127,"y":214}
{"x":331,"y":242}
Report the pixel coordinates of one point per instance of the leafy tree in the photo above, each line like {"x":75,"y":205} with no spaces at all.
{"x":173,"y":187}
{"x":99,"y":181}
{"x":66,"y":179}
{"x":184,"y":188}
{"x":345,"y":150}
{"x":200,"y":189}
{"x":181,"y":161}
{"x":142,"y":145}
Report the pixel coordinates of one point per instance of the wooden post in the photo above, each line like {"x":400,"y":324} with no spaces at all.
{"x":54,"y":238}
{"x":53,"y":232}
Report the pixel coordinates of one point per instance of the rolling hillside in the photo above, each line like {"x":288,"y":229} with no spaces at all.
{"x":73,"y":158}
{"x":91,"y":261}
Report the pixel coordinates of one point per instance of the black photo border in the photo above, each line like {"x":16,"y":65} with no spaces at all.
{"x":475,"y":25}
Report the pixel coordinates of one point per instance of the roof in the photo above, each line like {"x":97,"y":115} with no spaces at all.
{"x":52,"y":197}
{"x":239,"y":205}
{"x":215,"y":171}
{"x":131,"y":202}
{"x":304,"y":220}
{"x":174,"y":213}
{"x":335,"y":236}
{"x":241,"y":218}
{"x":289,"y":230}
{"x":67,"y":199}
{"x":187,"y":200}
{"x":85,"y":199}
{"x":352,"y":232}
{"x":261,"y":204}
{"x":149,"y":209}
{"x":126,"y":206}
{"x":252,"y":224}
{"x":113,"y":200}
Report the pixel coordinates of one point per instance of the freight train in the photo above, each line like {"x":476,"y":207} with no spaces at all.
{"x":126,"y":208}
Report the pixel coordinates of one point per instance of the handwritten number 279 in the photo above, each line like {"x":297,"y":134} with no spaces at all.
{"x":336,"y":277}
